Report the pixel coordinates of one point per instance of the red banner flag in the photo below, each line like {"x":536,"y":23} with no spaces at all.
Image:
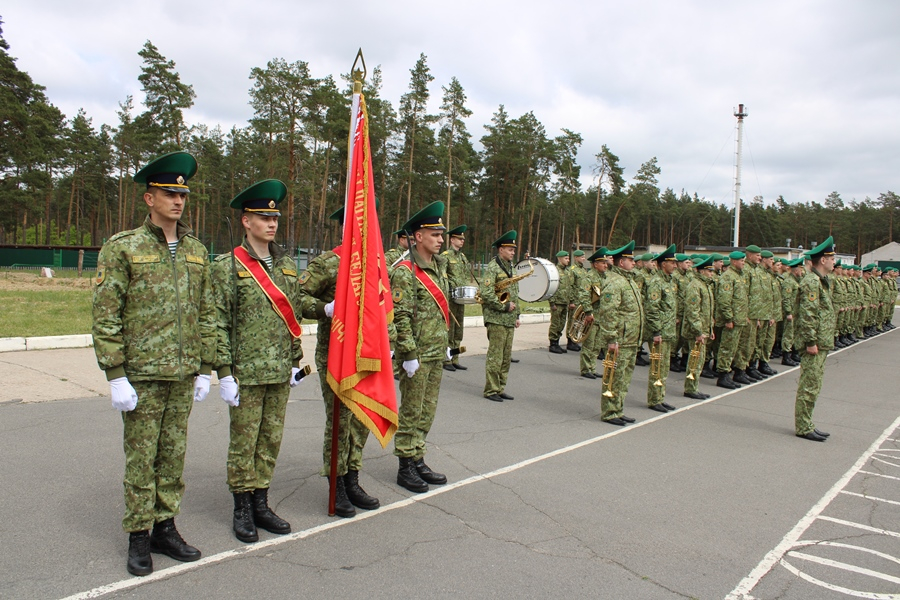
{"x":359,"y":353}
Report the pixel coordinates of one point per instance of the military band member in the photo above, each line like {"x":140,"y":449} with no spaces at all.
{"x":459,"y":273}
{"x":591,"y":291}
{"x":759,"y":294}
{"x":815,"y":334}
{"x":621,"y":330}
{"x":731,"y":313}
{"x":154,"y":336}
{"x":318,"y":284}
{"x":660,"y":312}
{"x":698,"y":325}
{"x":501,"y":317}
{"x":561,"y":302}
{"x":259,"y":346}
{"x":421,"y":292}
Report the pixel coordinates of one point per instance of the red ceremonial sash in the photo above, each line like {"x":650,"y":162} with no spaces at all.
{"x":428,"y":283}
{"x":279,"y":300}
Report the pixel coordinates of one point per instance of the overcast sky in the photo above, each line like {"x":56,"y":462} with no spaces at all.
{"x":647,"y":78}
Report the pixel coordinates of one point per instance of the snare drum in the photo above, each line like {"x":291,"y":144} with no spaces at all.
{"x":464,"y":294}
{"x":541,"y":284}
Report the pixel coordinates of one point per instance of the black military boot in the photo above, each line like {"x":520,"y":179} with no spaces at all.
{"x":741,"y":376}
{"x":726,"y":382}
{"x":838,"y":343}
{"x":408,"y":476}
{"x":264,"y":517}
{"x":675,"y":365}
{"x":429,"y":476}
{"x":640,"y":361}
{"x":570,"y":345}
{"x":242,"y":521}
{"x":776,"y":352}
{"x":140,"y":562}
{"x":787,"y":360}
{"x":764,"y":368}
{"x":165,"y":539}
{"x":555,"y":348}
{"x":752,"y":372}
{"x":358,"y":496}
{"x":708,"y":372}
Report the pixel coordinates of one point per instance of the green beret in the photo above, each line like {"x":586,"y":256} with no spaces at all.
{"x":578,"y":253}
{"x":427,"y":218}
{"x":753,"y":248}
{"x":766,"y":254}
{"x":561,"y":253}
{"x":645,"y":256}
{"x":869,"y":267}
{"x":797,"y":262}
{"x":703,"y":256}
{"x":825,"y":248}
{"x":716,"y":256}
{"x":507,"y":239}
{"x":682,"y":257}
{"x":667,"y":254}
{"x":261,"y":198}
{"x":168,"y":172}
{"x":458,"y":231}
{"x":626,"y":251}
{"x":600,"y":254}
{"x":726,"y":261}
{"x":737,"y":255}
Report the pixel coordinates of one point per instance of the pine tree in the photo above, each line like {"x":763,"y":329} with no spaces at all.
{"x":166,"y":97}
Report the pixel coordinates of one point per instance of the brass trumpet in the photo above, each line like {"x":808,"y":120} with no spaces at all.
{"x":694,"y":360}
{"x":579,"y":328}
{"x":609,"y":371}
{"x":656,"y":364}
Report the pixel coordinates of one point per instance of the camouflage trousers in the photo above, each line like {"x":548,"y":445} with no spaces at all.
{"x":257,"y":426}
{"x":693,"y":385}
{"x":729,"y":346}
{"x":747,"y":345}
{"x":352,"y":434}
{"x":765,"y":341}
{"x":612,"y":407}
{"x":812,"y":370}
{"x":418,"y":405}
{"x":155,"y":444}
{"x":657,"y":393}
{"x":590,"y":350}
{"x":787,"y":335}
{"x":558,"y":316}
{"x":496,"y":368}
{"x":458,"y":312}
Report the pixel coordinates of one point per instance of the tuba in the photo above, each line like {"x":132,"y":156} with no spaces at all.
{"x":579,"y":328}
{"x":609,"y":372}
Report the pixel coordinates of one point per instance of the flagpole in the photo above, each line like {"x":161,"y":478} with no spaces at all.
{"x":358,"y":76}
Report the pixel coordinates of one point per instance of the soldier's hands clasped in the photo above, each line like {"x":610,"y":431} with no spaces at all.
{"x":124,"y":397}
{"x":201,"y":387}
{"x":411,"y":366}
{"x":228,"y":390}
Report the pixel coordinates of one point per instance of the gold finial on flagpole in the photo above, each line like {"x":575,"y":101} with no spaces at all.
{"x":358,"y":75}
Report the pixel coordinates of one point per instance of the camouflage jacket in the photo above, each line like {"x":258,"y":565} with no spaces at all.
{"x":494,"y":311}
{"x":698,"y":309}
{"x":391,"y":256}
{"x":318,"y":284}
{"x":815,"y":320}
{"x":682,"y":282}
{"x":777,"y":300}
{"x":265,"y":349}
{"x":422,"y":330}
{"x":623,"y":310}
{"x":731,"y":298}
{"x":592,"y":284}
{"x":789,"y":287}
{"x":154,"y":317}
{"x":759,"y":291}
{"x":457,"y":268}
{"x":564,"y":292}
{"x":660,"y":306}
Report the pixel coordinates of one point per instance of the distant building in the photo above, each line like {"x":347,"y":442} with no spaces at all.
{"x":886,"y":256}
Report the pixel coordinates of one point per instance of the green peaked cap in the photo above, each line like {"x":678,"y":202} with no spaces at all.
{"x":599,"y":254}
{"x":427,"y":218}
{"x":826,"y":247}
{"x":458,"y":231}
{"x":627,"y":251}
{"x":168,"y":172}
{"x":261,"y":198}
{"x":338,"y":215}
{"x":704,"y":263}
{"x":667,"y":254}
{"x":507,"y":239}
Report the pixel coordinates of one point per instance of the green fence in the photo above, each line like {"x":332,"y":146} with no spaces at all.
{"x":56,"y":258}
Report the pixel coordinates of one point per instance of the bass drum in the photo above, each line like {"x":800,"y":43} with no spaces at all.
{"x":541,"y":284}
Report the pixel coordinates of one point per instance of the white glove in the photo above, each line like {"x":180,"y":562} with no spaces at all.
{"x":329,"y":309}
{"x":201,"y":387}
{"x":228,"y":390}
{"x":411,"y":366}
{"x":449,"y":356}
{"x":124,"y":397}
{"x":392,"y":355}
{"x":294,"y":381}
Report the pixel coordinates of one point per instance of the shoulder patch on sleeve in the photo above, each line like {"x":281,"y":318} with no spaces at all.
{"x":812,"y":296}
{"x":726,"y":287}
{"x":304,"y":277}
{"x":101,"y":276}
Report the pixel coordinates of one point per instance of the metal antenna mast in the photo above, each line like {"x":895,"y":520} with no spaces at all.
{"x":740,"y":113}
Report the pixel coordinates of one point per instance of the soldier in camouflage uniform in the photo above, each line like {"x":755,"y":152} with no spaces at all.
{"x":401,"y":249}
{"x":660,"y":312}
{"x":591,"y":292}
{"x":697,"y":327}
{"x":561,"y":302}
{"x":265,"y":356}
{"x":154,"y":335}
{"x":815,"y":334}
{"x":759,"y":293}
{"x":621,"y":330}
{"x":501,"y":317}
{"x":421,"y":293}
{"x":767,"y":341}
{"x":317,"y":289}
{"x":790,"y":286}
{"x":731,"y":314}
{"x":460,"y":274}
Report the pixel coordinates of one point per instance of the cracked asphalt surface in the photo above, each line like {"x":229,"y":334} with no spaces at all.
{"x":683,"y":506}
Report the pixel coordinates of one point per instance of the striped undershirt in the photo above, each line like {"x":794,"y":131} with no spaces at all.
{"x":173,"y":246}
{"x":268,"y":261}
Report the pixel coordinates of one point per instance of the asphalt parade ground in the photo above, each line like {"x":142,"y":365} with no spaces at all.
{"x":718,"y":499}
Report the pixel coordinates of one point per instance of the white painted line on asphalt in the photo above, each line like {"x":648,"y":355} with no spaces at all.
{"x":855,"y":525}
{"x":827,"y":562}
{"x":880,"y":475}
{"x":180,"y":568}
{"x":830,"y":586}
{"x":742,"y":590}
{"x":886,"y":462}
{"x":876,"y":498}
